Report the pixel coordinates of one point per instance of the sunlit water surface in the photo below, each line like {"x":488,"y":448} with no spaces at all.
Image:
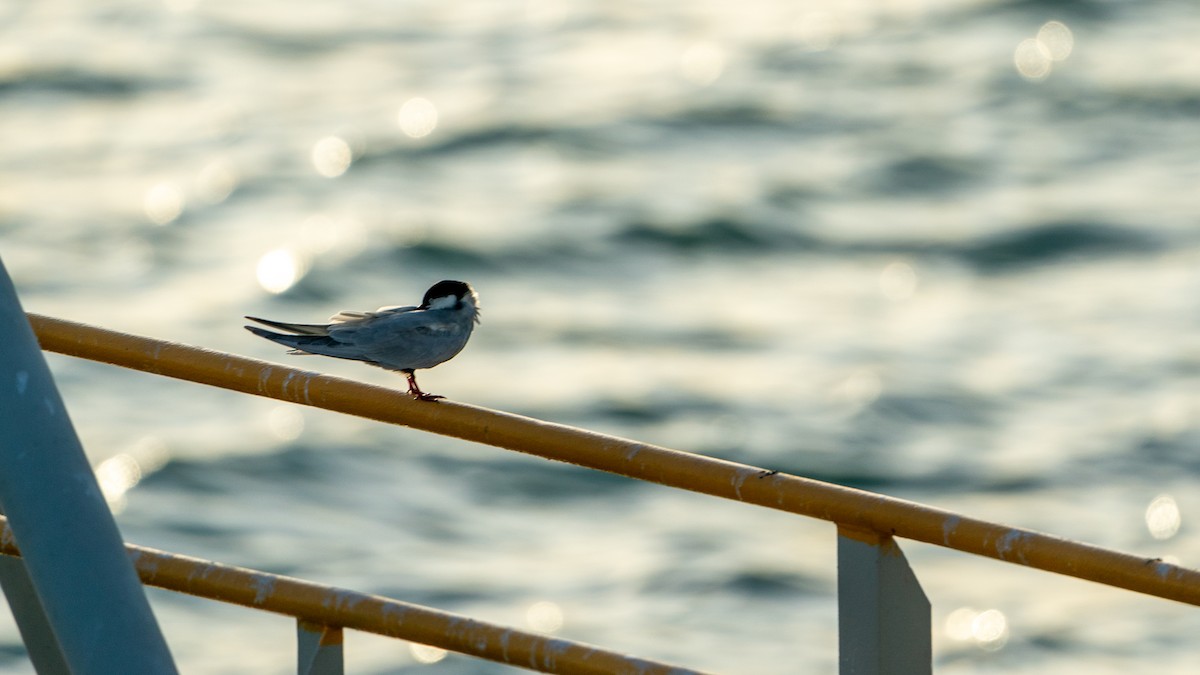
{"x":945,"y":251}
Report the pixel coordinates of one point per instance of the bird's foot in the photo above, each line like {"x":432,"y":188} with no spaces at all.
{"x":415,"y":391}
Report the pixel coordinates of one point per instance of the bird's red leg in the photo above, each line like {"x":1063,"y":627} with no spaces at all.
{"x":415,"y":391}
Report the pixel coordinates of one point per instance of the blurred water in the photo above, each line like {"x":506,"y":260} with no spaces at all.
{"x":946,"y":251}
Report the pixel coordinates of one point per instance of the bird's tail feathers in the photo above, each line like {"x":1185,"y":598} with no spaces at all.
{"x":306,"y":345}
{"x":297,"y":328}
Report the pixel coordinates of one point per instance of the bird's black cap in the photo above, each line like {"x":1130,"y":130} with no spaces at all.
{"x":444,"y":289}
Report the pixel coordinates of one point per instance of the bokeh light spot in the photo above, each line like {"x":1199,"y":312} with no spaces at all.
{"x":163,"y":203}
{"x":216,"y":181}
{"x":331,"y":156}
{"x":958,"y":623}
{"x":116,"y":476}
{"x":544,"y":617}
{"x":285,"y":422}
{"x":1057,"y":39}
{"x":151,"y":453}
{"x":1032,"y":59}
{"x":987,"y":629}
{"x":898,"y":281}
{"x":1162,"y":517}
{"x":280,"y":269}
{"x":858,"y":390}
{"x":990,"y":630}
{"x":418,"y":117}
{"x":702,"y":63}
{"x":425,"y":653}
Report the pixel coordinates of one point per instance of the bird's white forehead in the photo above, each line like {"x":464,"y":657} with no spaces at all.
{"x":444,"y":302}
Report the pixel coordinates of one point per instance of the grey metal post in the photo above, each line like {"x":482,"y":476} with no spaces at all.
{"x":883,"y":615}
{"x":319,"y":649}
{"x":72,"y":549}
{"x":36,"y":632}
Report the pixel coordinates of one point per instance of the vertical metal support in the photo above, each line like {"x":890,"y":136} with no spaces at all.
{"x":71,"y":547}
{"x":883,"y":615}
{"x":319,"y":649}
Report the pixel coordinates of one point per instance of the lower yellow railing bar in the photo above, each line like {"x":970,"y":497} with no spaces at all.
{"x":752,"y":485}
{"x":328,"y":606}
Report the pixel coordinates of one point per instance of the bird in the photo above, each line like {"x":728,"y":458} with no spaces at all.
{"x":404,"y":339}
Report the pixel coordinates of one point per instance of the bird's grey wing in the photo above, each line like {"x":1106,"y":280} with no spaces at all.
{"x":409,"y":339}
{"x":297,"y":328}
{"x":350,"y":316}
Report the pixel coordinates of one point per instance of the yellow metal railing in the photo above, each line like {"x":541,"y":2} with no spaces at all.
{"x":851,"y":509}
{"x":322,"y":606}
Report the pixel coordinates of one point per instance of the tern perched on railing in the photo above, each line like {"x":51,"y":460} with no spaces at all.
{"x":396,"y":338}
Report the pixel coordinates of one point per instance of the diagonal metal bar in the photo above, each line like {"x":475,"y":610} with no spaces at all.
{"x":317,"y":604}
{"x":36,"y":632}
{"x":752,"y":485}
{"x":90,"y":597}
